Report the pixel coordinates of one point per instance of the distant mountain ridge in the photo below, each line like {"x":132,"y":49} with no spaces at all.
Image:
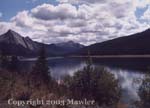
{"x":70,"y":45}
{"x":13,"y":43}
{"x":11,"y":37}
{"x":136,"y":44}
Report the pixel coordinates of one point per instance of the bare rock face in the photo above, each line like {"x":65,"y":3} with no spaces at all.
{"x":12,"y":37}
{"x":14,"y":44}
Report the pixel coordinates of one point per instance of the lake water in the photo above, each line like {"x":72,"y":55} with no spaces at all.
{"x":127,"y":71}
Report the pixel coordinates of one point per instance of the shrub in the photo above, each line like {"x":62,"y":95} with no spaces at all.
{"x":144,"y":92}
{"x":94,"y":83}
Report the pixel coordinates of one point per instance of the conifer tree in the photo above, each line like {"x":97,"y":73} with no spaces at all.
{"x":4,"y":59}
{"x":14,"y":64}
{"x":40,"y":72}
{"x":94,"y":83}
{"x":144,"y":92}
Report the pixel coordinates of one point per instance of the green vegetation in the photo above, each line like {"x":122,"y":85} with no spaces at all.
{"x":91,"y":83}
{"x":4,"y":59}
{"x":144,"y":92}
{"x":13,"y":65}
{"x":94,"y":83}
{"x":40,"y":72}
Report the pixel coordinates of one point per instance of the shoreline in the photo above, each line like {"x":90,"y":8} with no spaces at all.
{"x":113,"y":56}
{"x":92,"y":56}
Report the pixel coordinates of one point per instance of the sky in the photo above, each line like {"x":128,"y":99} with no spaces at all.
{"x":83,"y":21}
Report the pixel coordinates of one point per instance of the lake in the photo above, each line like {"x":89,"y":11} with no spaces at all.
{"x":127,"y":70}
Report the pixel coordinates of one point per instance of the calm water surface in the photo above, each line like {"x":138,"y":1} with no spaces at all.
{"x":127,"y":71}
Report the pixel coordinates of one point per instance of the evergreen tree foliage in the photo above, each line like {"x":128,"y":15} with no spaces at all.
{"x":94,"y":83}
{"x":40,"y":72}
{"x":4,"y":59}
{"x":144,"y":92}
{"x":14,"y":64}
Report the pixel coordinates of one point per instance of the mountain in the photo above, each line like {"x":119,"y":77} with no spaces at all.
{"x":63,"y":48}
{"x":135,"y":44}
{"x":70,"y":46}
{"x":13,"y":43}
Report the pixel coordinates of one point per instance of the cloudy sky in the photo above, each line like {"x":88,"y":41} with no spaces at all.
{"x":84,"y":21}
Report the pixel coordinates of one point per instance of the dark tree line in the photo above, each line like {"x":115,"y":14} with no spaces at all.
{"x":9,"y":62}
{"x":41,"y":72}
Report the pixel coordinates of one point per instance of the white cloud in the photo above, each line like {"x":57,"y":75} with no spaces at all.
{"x":138,"y":3}
{"x":22,"y":19}
{"x":4,"y":26}
{"x":141,"y":3}
{"x":81,"y":1}
{"x":88,"y":21}
{"x":50,"y":12}
{"x":146,"y":15}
